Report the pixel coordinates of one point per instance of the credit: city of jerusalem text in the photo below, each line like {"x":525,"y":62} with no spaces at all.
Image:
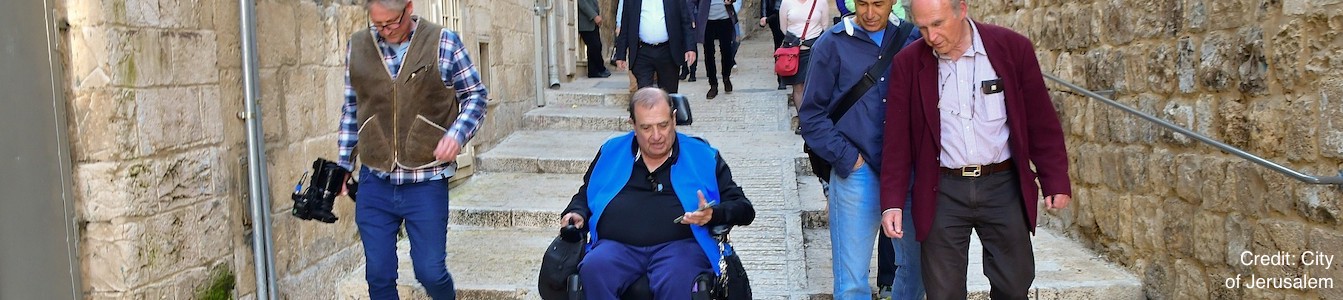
{"x":1309,"y":259}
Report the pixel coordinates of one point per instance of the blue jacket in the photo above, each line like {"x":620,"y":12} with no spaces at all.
{"x":838,"y":60}
{"x":693,"y":170}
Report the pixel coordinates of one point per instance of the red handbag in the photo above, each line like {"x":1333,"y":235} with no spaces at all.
{"x":786,"y":59}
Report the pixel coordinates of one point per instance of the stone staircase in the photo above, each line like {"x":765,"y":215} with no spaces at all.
{"x":504,"y":216}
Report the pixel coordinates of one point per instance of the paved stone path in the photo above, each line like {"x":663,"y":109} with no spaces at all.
{"x":504,"y":216}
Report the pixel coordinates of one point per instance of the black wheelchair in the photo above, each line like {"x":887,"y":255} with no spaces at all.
{"x":707,"y":286}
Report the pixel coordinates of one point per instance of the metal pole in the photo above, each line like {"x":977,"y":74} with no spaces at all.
{"x":540,"y":46}
{"x":1206,"y":140}
{"x":256,"y":161}
{"x":552,"y":45}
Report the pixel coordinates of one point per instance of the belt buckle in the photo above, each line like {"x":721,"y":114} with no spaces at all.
{"x":971,"y":170}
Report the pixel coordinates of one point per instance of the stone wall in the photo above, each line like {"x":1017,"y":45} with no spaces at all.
{"x":1262,"y":75}
{"x":156,"y":91}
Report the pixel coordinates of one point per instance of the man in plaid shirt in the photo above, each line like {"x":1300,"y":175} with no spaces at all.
{"x":413,"y":98}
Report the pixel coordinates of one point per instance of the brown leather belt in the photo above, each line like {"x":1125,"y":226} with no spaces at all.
{"x":978,"y":170}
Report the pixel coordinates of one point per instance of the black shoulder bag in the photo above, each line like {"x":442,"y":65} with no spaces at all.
{"x":822,"y":167}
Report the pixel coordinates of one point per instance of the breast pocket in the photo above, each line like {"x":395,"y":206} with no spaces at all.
{"x":995,"y":106}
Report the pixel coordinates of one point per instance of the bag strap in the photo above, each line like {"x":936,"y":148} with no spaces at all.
{"x":807,"y":25}
{"x":866,"y":82}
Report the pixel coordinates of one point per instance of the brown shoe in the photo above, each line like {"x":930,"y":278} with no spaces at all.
{"x":713,"y":92}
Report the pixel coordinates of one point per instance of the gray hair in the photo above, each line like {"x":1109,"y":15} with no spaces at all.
{"x":388,"y":4}
{"x":908,"y":6}
{"x":647,"y":98}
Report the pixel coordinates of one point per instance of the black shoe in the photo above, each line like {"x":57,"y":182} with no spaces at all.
{"x":603,"y":74}
{"x":713,"y":92}
{"x":692,"y":78}
{"x":727,"y":85}
{"x":685,"y":73}
{"x":782,"y":86}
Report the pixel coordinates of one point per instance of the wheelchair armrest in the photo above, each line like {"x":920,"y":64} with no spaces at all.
{"x":719,"y":230}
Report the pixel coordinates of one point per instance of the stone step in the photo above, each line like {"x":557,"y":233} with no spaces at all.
{"x":571,"y":151}
{"x":613,"y":92}
{"x":486,"y":263}
{"x":587,"y":118}
{"x":512,"y":199}
{"x":1064,"y":269}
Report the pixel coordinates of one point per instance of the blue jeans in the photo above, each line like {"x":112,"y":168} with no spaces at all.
{"x":854,"y":213}
{"x":379,"y":213}
{"x":909,"y":269}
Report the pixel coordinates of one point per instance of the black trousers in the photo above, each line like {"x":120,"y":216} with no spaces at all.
{"x":992,"y":206}
{"x":777,"y":31}
{"x":723,"y":32}
{"x":660,"y":60}
{"x":593,"y":40}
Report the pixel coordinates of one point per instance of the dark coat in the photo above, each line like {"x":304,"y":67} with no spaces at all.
{"x":681,"y":36}
{"x":913,"y":127}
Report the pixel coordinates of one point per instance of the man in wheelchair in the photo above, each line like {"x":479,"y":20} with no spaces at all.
{"x":649,"y":207}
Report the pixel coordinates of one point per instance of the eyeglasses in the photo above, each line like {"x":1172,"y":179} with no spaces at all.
{"x":391,"y":25}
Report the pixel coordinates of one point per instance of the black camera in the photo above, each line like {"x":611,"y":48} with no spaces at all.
{"x":323,"y":187}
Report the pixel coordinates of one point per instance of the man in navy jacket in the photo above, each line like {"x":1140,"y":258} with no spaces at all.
{"x":839,"y":59}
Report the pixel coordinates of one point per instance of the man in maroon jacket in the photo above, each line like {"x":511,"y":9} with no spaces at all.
{"x":968,"y":117}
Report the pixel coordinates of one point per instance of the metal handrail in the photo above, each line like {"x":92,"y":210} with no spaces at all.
{"x":1206,"y":140}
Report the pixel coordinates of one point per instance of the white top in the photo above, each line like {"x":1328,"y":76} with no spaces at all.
{"x":974,"y":124}
{"x":795,"y":17}
{"x":653,"y":22}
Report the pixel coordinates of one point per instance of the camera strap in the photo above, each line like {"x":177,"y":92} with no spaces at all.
{"x":892,"y":45}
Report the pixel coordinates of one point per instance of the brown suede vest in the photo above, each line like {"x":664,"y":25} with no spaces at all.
{"x":401,"y":119}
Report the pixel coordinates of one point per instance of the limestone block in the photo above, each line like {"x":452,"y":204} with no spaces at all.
{"x":305,"y":113}
{"x":1188,"y":178}
{"x":90,"y":56}
{"x":1287,"y":52}
{"x":1328,"y":242}
{"x":145,"y":188}
{"x":192,"y":56}
{"x":1239,"y":238}
{"x":1160,"y":175}
{"x":1228,"y":14}
{"x":1218,"y":63}
{"x":1195,"y":16}
{"x":172,"y":118}
{"x":1190,"y":280}
{"x":1154,"y":67}
{"x":141,"y":13}
{"x":1281,"y":192}
{"x":1304,"y":7}
{"x":1245,"y":186}
{"x":1209,"y":186}
{"x":1267,"y":135}
{"x":1085,"y":211}
{"x":182,"y":285}
{"x":1272,"y":236}
{"x":1116,"y":27}
{"x":1155,"y":19}
{"x":1306,"y":124}
{"x":317,"y":281}
{"x":1210,"y":246}
{"x":1233,"y":127}
{"x":131,"y":252}
{"x":90,"y":12}
{"x":188,"y":14}
{"x":1185,"y":62}
{"x":227,"y":39}
{"x":104,"y":125}
{"x":1180,"y":231}
{"x":1253,"y":68}
{"x":133,"y":56}
{"x":1086,"y":165}
{"x":1320,"y":204}
{"x":271,"y":104}
{"x":318,"y":37}
{"x":276,"y":37}
{"x":1149,"y":218}
{"x":1331,"y":104}
{"x":1104,"y":69}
